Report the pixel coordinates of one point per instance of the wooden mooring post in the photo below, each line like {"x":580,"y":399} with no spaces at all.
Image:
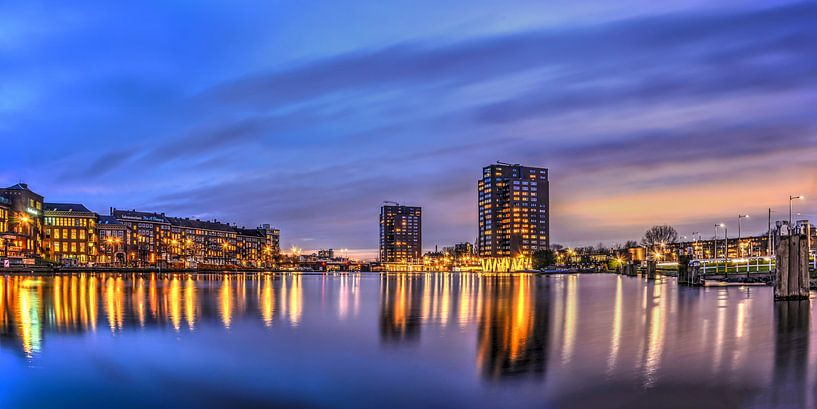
{"x":792,"y":266}
{"x":684,"y":269}
{"x":650,"y":269}
{"x":630,"y":270}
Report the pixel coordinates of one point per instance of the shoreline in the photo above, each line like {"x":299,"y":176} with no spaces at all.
{"x":41,"y":270}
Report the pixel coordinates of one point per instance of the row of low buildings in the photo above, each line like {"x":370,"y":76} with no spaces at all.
{"x":71,"y":234}
{"x":514,"y":220}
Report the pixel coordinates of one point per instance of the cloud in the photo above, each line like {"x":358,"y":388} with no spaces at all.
{"x":710,"y":41}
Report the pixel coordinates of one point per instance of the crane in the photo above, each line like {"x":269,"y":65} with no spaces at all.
{"x":507,"y":164}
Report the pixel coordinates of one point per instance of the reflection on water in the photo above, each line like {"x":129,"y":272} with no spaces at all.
{"x":791,"y":348}
{"x":545,"y":340}
{"x":513,"y":327}
{"x":32,"y":306}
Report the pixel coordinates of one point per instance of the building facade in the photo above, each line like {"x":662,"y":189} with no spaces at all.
{"x":203,"y":242}
{"x":251,"y":245}
{"x":23,"y":236}
{"x":114,"y":240}
{"x":401,"y":238}
{"x":70,"y":234}
{"x":273,"y":237}
{"x":5,"y":237}
{"x":150,"y":236}
{"x":514,"y":211}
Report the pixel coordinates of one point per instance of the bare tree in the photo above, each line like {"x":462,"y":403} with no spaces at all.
{"x":664,"y":234}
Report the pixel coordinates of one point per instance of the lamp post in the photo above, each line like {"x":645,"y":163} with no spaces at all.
{"x":109,"y":242}
{"x":24,"y":220}
{"x":740,"y":249}
{"x":725,"y":248}
{"x":694,"y":245}
{"x":116,"y":242}
{"x":791,"y":199}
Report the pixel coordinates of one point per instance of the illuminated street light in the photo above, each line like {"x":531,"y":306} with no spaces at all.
{"x":715,"y":241}
{"x":740,"y":249}
{"x":791,"y":199}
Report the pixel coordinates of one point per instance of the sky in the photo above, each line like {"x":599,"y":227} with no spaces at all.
{"x":309,"y":114}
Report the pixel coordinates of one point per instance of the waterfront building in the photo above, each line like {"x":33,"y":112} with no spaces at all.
{"x":401,"y":239}
{"x":150,"y":233}
{"x":24,"y":221}
{"x":203,"y":241}
{"x":114,"y":240}
{"x":463,"y":249}
{"x":752,"y":246}
{"x":438,"y":260}
{"x":273,"y":245}
{"x":514,"y":211}
{"x":70,"y":233}
{"x":250,"y":247}
{"x":5,"y":238}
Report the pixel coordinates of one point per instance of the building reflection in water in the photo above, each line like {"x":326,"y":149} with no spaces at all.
{"x":32,"y":307}
{"x":404,"y":302}
{"x":510,"y":313}
{"x":513,"y":327}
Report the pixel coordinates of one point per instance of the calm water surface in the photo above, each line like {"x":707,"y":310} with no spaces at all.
{"x":395,"y":341}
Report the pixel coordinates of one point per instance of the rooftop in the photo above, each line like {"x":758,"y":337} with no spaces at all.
{"x":22,"y":187}
{"x":250,"y":232}
{"x":201,"y":224}
{"x":139,"y":216}
{"x":108,"y":220}
{"x":65,"y":207}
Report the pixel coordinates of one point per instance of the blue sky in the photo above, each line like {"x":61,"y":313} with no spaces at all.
{"x":308,"y":115}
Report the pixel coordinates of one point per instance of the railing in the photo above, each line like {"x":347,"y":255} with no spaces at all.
{"x":737,"y":266}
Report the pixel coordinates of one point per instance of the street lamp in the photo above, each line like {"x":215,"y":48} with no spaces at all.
{"x":740,"y":216}
{"x":225,"y":245}
{"x":791,"y":199}
{"x":109,"y":241}
{"x":695,"y":244}
{"x":715,"y":241}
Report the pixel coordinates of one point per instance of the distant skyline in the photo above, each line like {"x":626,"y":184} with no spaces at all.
{"x":308,"y":115}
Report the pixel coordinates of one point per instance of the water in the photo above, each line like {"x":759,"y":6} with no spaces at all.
{"x":394,"y":341}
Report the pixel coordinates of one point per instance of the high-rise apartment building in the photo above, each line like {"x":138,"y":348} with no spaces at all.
{"x":514,"y":210}
{"x":401,"y":238}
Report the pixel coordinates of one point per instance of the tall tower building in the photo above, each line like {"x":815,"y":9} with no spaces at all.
{"x":401,"y":239}
{"x":514,"y":210}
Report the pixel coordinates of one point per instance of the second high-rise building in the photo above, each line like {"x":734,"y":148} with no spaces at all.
{"x":401,"y":239}
{"x":514,"y":210}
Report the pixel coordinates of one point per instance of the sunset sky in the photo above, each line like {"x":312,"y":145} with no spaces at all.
{"x":307,"y":115}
